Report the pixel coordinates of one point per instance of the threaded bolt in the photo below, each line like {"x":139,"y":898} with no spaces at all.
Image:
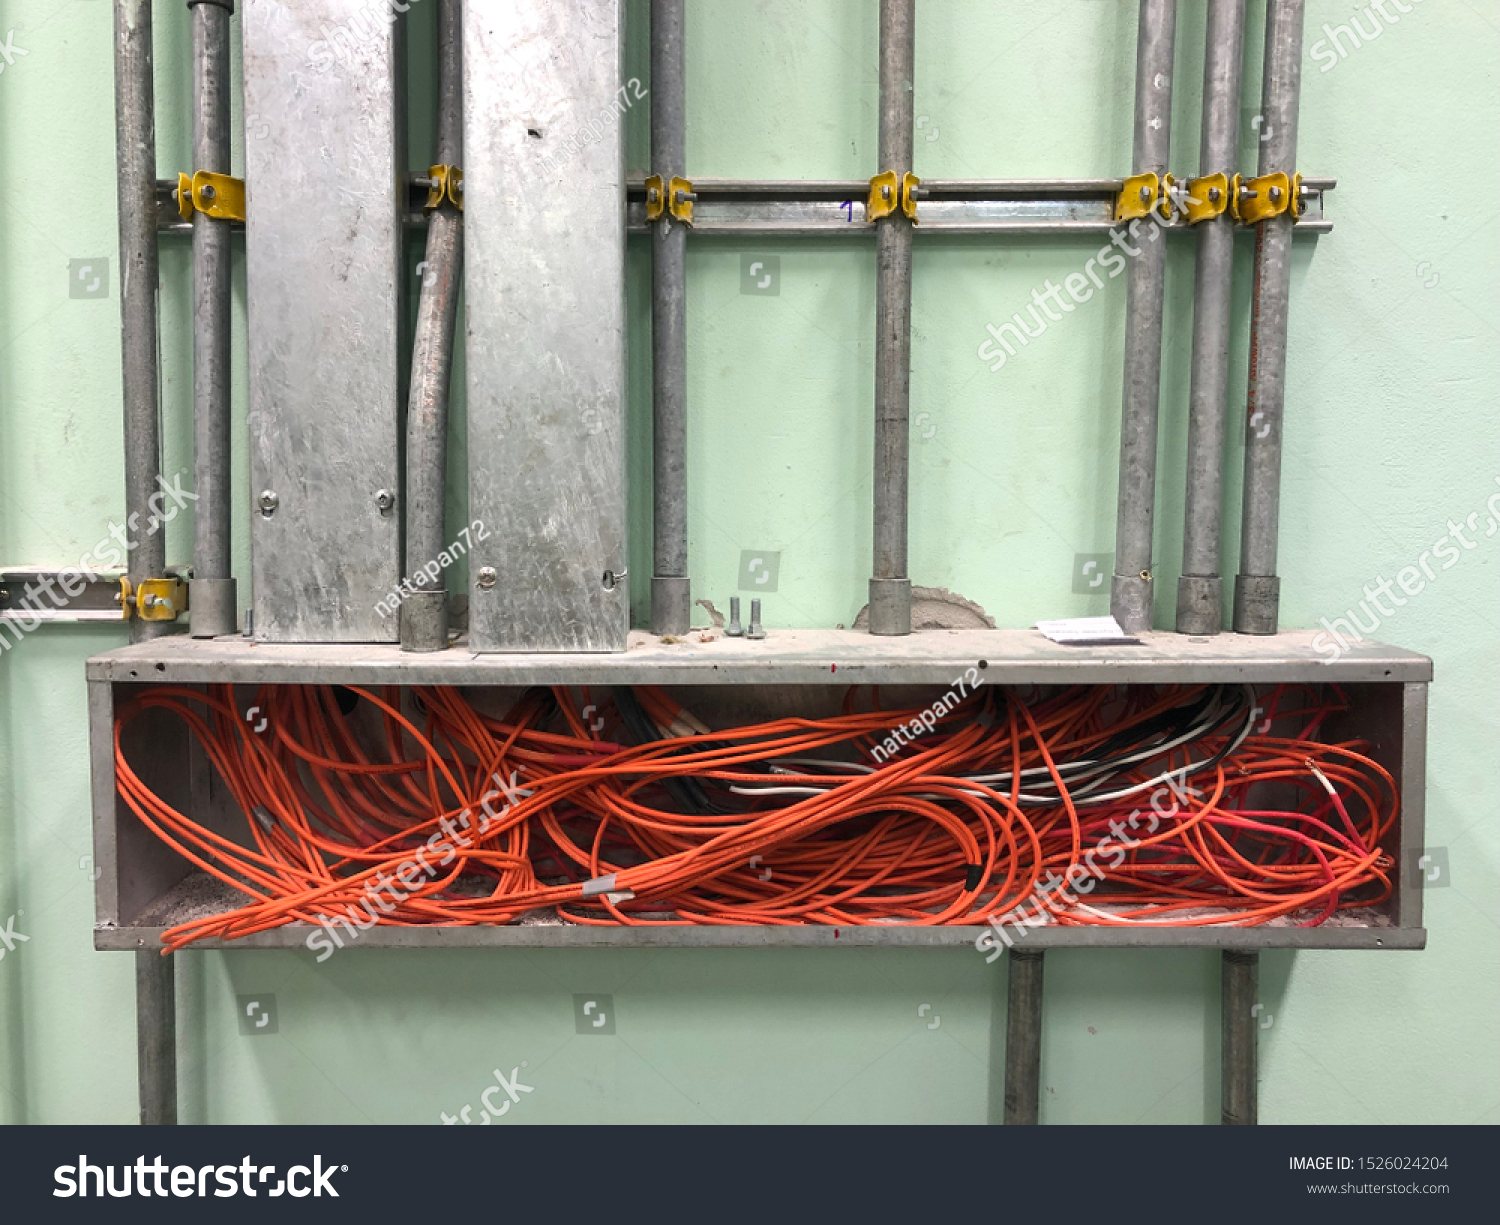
{"x":756,"y":630}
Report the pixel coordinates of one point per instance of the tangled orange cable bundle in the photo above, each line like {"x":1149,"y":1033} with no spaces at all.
{"x":1150,"y":801}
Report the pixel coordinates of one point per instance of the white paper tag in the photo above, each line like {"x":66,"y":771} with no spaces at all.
{"x":1085,"y":631}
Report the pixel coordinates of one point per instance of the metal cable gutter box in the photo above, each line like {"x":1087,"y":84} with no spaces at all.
{"x":323,"y":248}
{"x":544,"y":286}
{"x":144,"y":886}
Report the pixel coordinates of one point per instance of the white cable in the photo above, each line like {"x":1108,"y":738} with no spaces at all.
{"x":1146,"y":922}
{"x":1079,"y":795}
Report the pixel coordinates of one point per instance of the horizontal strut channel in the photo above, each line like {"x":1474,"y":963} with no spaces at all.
{"x":33,"y":594}
{"x":836,"y":207}
{"x":806,"y":208}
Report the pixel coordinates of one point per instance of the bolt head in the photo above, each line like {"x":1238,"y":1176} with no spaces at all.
{"x":385,"y":499}
{"x":207,"y":191}
{"x":1213,"y":194}
{"x":1145,"y":193}
{"x":1275,"y":193}
{"x":268,"y":502}
{"x":488,"y":577}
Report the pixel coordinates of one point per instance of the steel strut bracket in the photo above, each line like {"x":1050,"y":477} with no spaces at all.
{"x":674,"y":199}
{"x":155,"y":599}
{"x":445,"y":182}
{"x":680,"y":197}
{"x":909,"y":193}
{"x":1138,"y":196}
{"x":215,"y":195}
{"x":1268,"y":196}
{"x":1207,"y":198}
{"x":1167,"y":198}
{"x":885,"y":192}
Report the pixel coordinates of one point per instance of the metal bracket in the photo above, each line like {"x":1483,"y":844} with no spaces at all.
{"x":445,"y":181}
{"x":1268,"y":196}
{"x":1167,"y":199}
{"x":675,"y":200}
{"x":1207,"y":198}
{"x":909,"y":193}
{"x":215,"y":195}
{"x":885,"y":192}
{"x":1138,"y":196}
{"x":680,"y":197}
{"x":156,"y":599}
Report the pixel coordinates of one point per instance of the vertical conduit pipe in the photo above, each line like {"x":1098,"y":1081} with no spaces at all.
{"x":1257,"y":590}
{"x":156,"y":1036}
{"x":1023,"y":1037}
{"x":1240,"y":1032}
{"x":1130,"y":592}
{"x":671,"y":597}
{"x":213,"y":596}
{"x":890,"y":585}
{"x":1200,"y":589}
{"x":135,"y":151}
{"x":424,"y":610}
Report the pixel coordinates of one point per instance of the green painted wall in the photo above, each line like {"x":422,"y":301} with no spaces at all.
{"x":1391,"y":434}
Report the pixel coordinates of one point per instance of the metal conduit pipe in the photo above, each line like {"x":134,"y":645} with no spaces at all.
{"x":1200,"y":589}
{"x":156,"y":1037}
{"x":424,"y":608}
{"x":890,"y":584}
{"x":671,"y":597}
{"x":1130,"y":592}
{"x":1257,"y":589}
{"x":1240,"y":973}
{"x":135,"y":150}
{"x":213,"y":595}
{"x":1023,"y":1037}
